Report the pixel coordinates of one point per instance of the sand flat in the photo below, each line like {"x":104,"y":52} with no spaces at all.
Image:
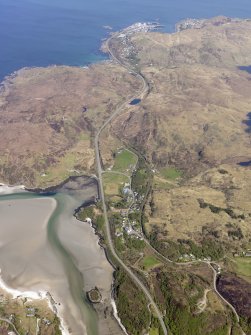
{"x":23,"y":239}
{"x":27,"y":261}
{"x":65,"y":260}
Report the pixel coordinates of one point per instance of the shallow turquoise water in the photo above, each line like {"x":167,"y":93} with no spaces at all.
{"x":44,"y":32}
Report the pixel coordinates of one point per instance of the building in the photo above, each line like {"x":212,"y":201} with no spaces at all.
{"x":30,"y":312}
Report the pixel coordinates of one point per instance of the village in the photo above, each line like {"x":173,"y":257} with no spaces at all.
{"x":32,"y":317}
{"x":128,"y":222}
{"x":125,"y":34}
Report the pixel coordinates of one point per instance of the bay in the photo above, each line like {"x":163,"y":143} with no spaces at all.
{"x":43,"y":247}
{"x":45,"y":32}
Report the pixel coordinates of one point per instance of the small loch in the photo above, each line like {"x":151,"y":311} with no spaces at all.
{"x":248,"y":163}
{"x":245,"y":68}
{"x":135,"y":102}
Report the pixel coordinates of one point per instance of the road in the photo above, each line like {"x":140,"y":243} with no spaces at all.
{"x":218,"y":293}
{"x":144,"y":91}
{"x":10,"y":323}
{"x":109,"y":240}
{"x":165,"y":259}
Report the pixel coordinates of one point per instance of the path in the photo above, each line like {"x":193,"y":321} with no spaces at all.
{"x":202,"y":304}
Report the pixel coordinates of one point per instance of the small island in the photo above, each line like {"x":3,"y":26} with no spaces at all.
{"x":94,"y":296}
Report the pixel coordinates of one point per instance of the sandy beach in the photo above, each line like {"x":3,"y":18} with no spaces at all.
{"x":34,"y":296}
{"x":5,"y":189}
{"x":31,"y":265}
{"x":10,"y":211}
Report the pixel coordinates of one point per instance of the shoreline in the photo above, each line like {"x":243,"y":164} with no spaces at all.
{"x":51,"y":190}
{"x":116,"y":316}
{"x":56,"y":308}
{"x":9,"y":189}
{"x":36,"y":295}
{"x":137,"y":27}
{"x":40,"y":294}
{"x":103,"y":247}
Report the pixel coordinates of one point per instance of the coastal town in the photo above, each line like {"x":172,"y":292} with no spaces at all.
{"x":124,"y":35}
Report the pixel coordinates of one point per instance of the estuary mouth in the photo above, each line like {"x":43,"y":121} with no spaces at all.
{"x":45,"y":248}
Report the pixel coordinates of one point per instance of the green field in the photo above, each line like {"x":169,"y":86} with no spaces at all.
{"x":149,"y":262}
{"x":170,"y":173}
{"x":161,"y":184}
{"x":60,"y":171}
{"x":125,"y":160}
{"x":113,"y":182}
{"x":154,"y":331}
{"x":243,"y":266}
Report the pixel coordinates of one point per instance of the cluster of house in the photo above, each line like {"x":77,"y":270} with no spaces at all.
{"x":46,"y":322}
{"x":243,"y":254}
{"x":190,"y":24}
{"x":192,"y":258}
{"x":139,"y":27}
{"x":129,"y":227}
{"x":31,"y":312}
{"x":132,"y":228}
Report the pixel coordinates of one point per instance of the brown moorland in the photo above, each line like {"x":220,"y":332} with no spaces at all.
{"x":48,"y":117}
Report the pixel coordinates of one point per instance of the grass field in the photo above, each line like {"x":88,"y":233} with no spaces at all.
{"x":65,"y":164}
{"x":149,"y":262}
{"x":60,"y":171}
{"x":154,"y":331}
{"x":243,"y":266}
{"x":113,"y":182}
{"x":125,"y":160}
{"x":170,"y":173}
{"x":162,"y":183}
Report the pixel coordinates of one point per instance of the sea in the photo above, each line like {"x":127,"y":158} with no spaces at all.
{"x":46,"y":32}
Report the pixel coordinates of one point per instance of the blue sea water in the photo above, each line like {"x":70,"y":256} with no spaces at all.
{"x":44,"y":32}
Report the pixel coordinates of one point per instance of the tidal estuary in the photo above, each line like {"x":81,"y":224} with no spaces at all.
{"x":43,"y":247}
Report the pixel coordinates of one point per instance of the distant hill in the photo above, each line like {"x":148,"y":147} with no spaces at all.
{"x":48,"y":117}
{"x":194,"y":129}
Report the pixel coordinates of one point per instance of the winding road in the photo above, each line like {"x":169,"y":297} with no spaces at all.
{"x":109,"y":240}
{"x":165,"y":259}
{"x":10,"y":323}
{"x":141,"y":94}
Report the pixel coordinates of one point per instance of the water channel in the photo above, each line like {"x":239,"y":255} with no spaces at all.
{"x":43,"y":247}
